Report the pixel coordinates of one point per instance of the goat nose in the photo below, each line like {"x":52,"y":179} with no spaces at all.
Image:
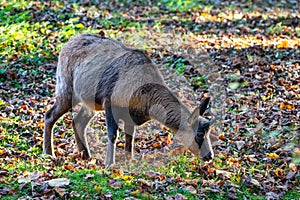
{"x":207,"y":157}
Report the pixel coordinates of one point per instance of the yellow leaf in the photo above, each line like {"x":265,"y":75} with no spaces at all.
{"x":80,"y":25}
{"x":283,"y":44}
{"x":30,"y":46}
{"x":43,"y":30}
{"x":117,"y":173}
{"x":2,"y":151}
{"x":264,"y":98}
{"x":4,"y":119}
{"x":290,"y":107}
{"x":120,"y":145}
{"x":41,"y":124}
{"x":169,"y":138}
{"x":127,"y":177}
{"x":26,"y":173}
{"x":222,"y":136}
{"x":273,"y":155}
{"x":206,"y":15}
{"x":279,"y":172}
{"x":282,"y":105}
{"x":18,"y":36}
{"x":136,"y":192}
{"x":286,"y":106}
{"x":97,"y":187}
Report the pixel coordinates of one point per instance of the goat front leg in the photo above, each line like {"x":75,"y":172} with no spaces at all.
{"x":112,"y":132}
{"x":129,"y":140}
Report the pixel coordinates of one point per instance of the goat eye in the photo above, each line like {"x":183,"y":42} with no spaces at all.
{"x":200,"y":134}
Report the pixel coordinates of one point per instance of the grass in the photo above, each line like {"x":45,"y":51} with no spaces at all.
{"x":86,"y":183}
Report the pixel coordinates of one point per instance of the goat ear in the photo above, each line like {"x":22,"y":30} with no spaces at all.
{"x":194,"y":116}
{"x":203,"y":105}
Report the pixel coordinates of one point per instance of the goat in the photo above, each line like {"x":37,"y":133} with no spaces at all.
{"x":103,"y":74}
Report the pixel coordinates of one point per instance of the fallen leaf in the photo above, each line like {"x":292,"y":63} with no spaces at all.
{"x":180,"y":197}
{"x":69,"y":167}
{"x":59,"y":182}
{"x":279,"y":172}
{"x":60,"y":191}
{"x":24,"y":180}
{"x":272,"y":155}
{"x":254,"y":182}
{"x":135,"y":192}
{"x":2,"y":151}
{"x":156,"y":145}
{"x":117,"y":173}
{"x":127,"y":177}
{"x":223,"y":173}
{"x":93,"y":161}
{"x":252,"y":158}
{"x":114,"y":183}
{"x":283,"y":44}
{"x":290,"y":175}
{"x":122,"y":145}
{"x":286,"y":106}
{"x":240,"y":144}
{"x":271,"y":195}
{"x":152,"y":174}
{"x":191,"y":189}
{"x":97,"y":187}
{"x":210,"y":170}
{"x":89,"y":176}
{"x":292,"y":167}
{"x":222,"y":136}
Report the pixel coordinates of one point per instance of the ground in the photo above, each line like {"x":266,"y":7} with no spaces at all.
{"x":245,"y":55}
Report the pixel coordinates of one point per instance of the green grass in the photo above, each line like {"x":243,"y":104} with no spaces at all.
{"x":98,"y":181}
{"x":184,"y":6}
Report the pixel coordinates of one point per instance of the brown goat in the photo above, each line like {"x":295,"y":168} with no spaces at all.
{"x":103,"y":74}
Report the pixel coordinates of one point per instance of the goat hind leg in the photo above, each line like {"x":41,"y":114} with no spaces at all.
{"x":80,"y":122}
{"x":59,"y":109}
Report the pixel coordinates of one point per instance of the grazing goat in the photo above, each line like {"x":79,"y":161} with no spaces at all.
{"x":103,"y":74}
